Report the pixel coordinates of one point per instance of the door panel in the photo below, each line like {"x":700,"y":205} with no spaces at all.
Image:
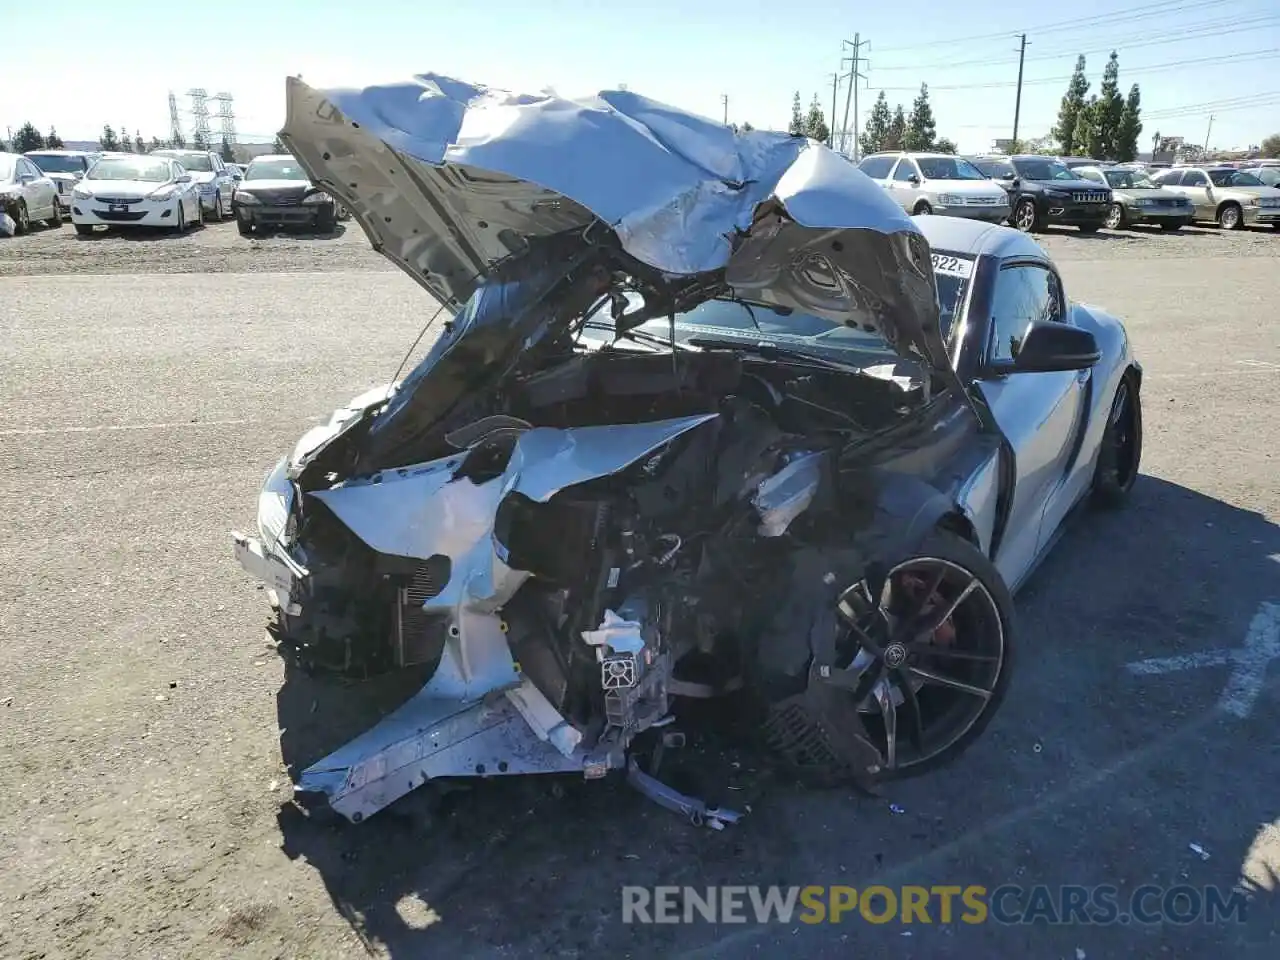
{"x":1040,"y":414}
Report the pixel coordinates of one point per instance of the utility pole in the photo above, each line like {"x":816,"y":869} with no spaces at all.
{"x":856,"y":62}
{"x":724,"y":98}
{"x":831,"y":130}
{"x":1017,"y":103}
{"x":1207,"y":132}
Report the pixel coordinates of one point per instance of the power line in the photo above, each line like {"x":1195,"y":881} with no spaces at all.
{"x":1078,"y":23}
{"x":1188,"y":32}
{"x":1246,"y":57}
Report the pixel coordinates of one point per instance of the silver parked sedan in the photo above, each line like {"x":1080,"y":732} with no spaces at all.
{"x":1136,"y":198}
{"x":1231,"y":198}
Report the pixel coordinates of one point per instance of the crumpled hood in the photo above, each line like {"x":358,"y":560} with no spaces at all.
{"x":447,"y":177}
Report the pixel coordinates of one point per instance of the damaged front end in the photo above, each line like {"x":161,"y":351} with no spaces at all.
{"x":567,"y":536}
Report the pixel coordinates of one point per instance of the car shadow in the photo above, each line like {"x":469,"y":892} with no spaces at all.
{"x":139,"y":234}
{"x":296,"y":233}
{"x":534,"y":866}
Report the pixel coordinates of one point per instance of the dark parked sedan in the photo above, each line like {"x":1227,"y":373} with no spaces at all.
{"x":276,"y":192}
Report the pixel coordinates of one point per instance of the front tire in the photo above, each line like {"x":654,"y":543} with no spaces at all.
{"x":923,"y":209}
{"x":21,"y":219}
{"x":1025,"y":217}
{"x":1172,"y":227}
{"x":245,"y":227}
{"x":218,"y":213}
{"x":925,"y":664}
{"x":1120,"y":454}
{"x":1230,"y":216}
{"x":181,"y":226}
{"x":1116,"y":219}
{"x":1090,"y":227}
{"x":84,"y":229}
{"x":55,"y":221}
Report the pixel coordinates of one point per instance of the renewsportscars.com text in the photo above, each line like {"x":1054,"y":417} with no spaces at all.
{"x":972,"y":904}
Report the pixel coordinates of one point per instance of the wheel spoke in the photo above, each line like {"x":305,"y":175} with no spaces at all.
{"x":915,"y":733}
{"x":949,"y":653}
{"x":928,"y":676}
{"x":884,"y":698}
{"x":927,"y":627}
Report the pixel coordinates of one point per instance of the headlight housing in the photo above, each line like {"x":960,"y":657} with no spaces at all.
{"x":80,"y":193}
{"x":318,"y":197}
{"x":242,"y":197}
{"x":166,"y":193}
{"x":276,"y":522}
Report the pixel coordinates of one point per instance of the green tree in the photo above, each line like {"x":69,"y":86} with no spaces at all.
{"x":795,"y":128}
{"x":1130,"y":126}
{"x":1087,"y":138}
{"x":53,"y":141}
{"x":876,"y":130}
{"x":157,"y":143}
{"x":1271,"y":146}
{"x":815,"y":123}
{"x":27,"y":138}
{"x":126,"y":145}
{"x":1069,"y":111}
{"x":108,"y":140}
{"x":139,"y":145}
{"x":1110,"y":110}
{"x":922,"y":131}
{"x":746,"y":126}
{"x":228,"y":154}
{"x":897,"y":131}
{"x":945,"y":146}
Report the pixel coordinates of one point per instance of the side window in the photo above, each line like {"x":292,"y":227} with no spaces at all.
{"x":1194,"y":178}
{"x":876,"y":167}
{"x":1093,"y":175}
{"x":1024,"y":294}
{"x":906,"y":170}
{"x":25,"y":169}
{"x":1170,"y":178}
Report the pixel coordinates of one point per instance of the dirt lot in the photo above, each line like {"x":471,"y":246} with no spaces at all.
{"x":142,"y":805}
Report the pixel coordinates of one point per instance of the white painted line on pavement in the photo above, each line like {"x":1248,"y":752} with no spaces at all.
{"x":1261,"y":646}
{"x":114,"y":427}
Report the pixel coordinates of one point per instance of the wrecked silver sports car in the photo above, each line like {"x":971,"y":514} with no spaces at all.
{"x":710,"y":416}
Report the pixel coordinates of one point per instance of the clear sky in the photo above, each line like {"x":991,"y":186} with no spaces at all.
{"x":77,"y":64}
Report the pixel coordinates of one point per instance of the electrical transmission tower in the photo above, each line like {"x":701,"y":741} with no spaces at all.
{"x":175,"y":121}
{"x":226,"y":116}
{"x":199,"y":114}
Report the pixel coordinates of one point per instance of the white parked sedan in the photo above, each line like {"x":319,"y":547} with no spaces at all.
{"x":26,"y":194}
{"x":136,"y":191}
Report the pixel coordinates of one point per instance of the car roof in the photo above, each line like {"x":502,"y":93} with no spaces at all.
{"x":179,"y":152}
{"x":273,"y":156}
{"x":59,"y":153}
{"x":976,"y":237}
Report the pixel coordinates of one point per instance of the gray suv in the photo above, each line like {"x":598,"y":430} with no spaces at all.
{"x":938,"y":183}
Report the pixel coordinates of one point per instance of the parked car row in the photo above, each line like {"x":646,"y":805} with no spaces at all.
{"x":1037,"y":191}
{"x":167,"y":188}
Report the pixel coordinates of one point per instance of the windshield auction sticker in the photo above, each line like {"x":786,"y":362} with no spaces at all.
{"x":952,"y":266}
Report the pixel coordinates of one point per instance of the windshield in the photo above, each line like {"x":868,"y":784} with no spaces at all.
{"x":757,"y":321}
{"x":1044,"y":170}
{"x":197,"y":162}
{"x":1270,"y":176}
{"x":54,"y":163}
{"x":1130,"y":179}
{"x":282,"y":168}
{"x":1234,"y":178}
{"x":949,"y":168}
{"x":994,"y":168}
{"x":137,"y":168}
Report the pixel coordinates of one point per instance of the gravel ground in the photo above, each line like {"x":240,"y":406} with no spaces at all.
{"x":141,"y":806}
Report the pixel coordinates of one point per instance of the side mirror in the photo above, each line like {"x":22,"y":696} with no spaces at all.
{"x":1049,"y":346}
{"x":1008,"y":175}
{"x":185,"y":178}
{"x":913,"y":180}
